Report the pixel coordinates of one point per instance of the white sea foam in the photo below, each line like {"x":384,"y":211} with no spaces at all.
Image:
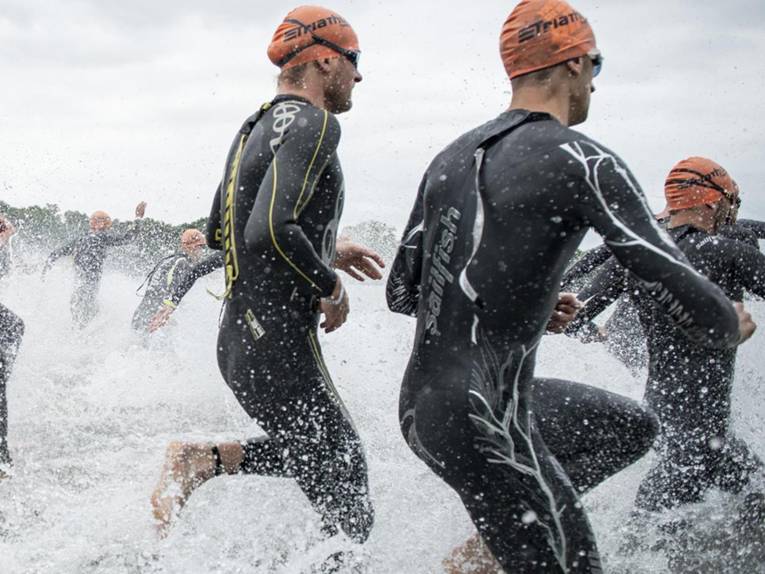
{"x":92,"y":411}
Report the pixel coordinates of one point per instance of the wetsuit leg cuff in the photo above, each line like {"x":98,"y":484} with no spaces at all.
{"x":218,"y":461}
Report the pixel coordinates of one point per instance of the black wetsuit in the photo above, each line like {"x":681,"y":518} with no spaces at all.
{"x":499,"y":213}
{"x":275,"y":216}
{"x":11,"y":331}
{"x":5,"y":259}
{"x":169,"y":281}
{"x":89,"y":252}
{"x":689,"y":386}
{"x":625,"y":338}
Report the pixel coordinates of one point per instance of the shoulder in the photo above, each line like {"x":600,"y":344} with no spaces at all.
{"x":740,"y":233}
{"x":304,"y":119}
{"x":579,"y":148}
{"x":713,"y":247}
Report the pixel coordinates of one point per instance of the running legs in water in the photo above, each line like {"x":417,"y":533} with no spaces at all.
{"x":591,"y":432}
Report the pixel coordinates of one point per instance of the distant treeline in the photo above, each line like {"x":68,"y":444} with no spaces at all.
{"x":42,"y":229}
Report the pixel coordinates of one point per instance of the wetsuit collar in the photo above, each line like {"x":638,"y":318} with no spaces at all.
{"x":528,"y":115}
{"x":683,"y":231}
{"x":289,"y":98}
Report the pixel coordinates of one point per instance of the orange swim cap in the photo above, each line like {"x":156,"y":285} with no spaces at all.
{"x":100,"y":220}
{"x":697,"y":181}
{"x":539,"y":34}
{"x":192,"y":238}
{"x":294,"y":41}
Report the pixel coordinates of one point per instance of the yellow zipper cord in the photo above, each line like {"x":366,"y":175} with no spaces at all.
{"x":229,"y":218}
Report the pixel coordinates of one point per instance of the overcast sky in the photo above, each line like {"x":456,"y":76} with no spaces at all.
{"x":106,"y":102}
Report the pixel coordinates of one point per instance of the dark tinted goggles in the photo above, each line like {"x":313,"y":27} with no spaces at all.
{"x":352,"y":56}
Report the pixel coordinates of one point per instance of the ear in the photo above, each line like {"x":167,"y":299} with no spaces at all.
{"x":575,"y":66}
{"x":324,"y":65}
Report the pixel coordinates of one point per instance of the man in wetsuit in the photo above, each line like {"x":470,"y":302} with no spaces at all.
{"x":689,"y":386}
{"x":275,"y":216}
{"x":498,"y":214}
{"x":89,"y":252}
{"x":623,"y":333}
{"x":172,"y":277}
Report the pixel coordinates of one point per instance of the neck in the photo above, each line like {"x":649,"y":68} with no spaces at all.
{"x":542,"y":99}
{"x":309,"y":91}
{"x":694,"y":219}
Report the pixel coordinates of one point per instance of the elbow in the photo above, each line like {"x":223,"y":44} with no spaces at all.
{"x":258,"y":238}
{"x":400,"y":298}
{"x":214,"y":237}
{"x":723,"y":333}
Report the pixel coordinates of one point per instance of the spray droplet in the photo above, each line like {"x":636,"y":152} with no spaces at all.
{"x":529,"y":517}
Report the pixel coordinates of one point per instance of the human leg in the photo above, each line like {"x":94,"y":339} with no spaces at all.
{"x":11,"y":332}
{"x":593,"y":433}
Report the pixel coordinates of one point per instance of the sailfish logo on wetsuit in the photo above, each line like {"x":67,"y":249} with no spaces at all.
{"x":284,"y":114}
{"x":440,"y":275}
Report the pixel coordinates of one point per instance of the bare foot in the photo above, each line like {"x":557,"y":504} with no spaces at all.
{"x":472,"y":557}
{"x":187,"y":467}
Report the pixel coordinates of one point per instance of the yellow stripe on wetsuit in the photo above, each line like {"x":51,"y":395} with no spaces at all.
{"x":297,"y":210}
{"x":297,"y":204}
{"x":325,"y":374}
{"x":229,"y":240}
{"x":169,"y":278}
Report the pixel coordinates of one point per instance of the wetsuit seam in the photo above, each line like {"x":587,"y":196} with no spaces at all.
{"x":273,"y":235}
{"x":296,"y":211}
{"x":313,"y":187}
{"x":329,"y":385}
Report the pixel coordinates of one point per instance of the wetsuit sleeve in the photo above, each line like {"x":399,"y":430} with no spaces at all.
{"x":585,"y":265}
{"x":66,"y":249}
{"x":113,"y":238}
{"x":611,"y":200}
{"x":608,"y":284}
{"x":287,"y":188}
{"x":757,"y":227}
{"x":214,"y":230}
{"x":402,"y":291}
{"x":750,"y":268}
{"x":184,"y":281}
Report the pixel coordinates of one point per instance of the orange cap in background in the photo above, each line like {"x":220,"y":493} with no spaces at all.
{"x":192,"y":237}
{"x":293,"y":44}
{"x":539,"y":34}
{"x":100,"y":220}
{"x":697,"y":181}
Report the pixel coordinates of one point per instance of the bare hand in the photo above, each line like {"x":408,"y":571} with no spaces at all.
{"x":335,"y":314}
{"x":140,"y":209}
{"x":356,"y":259}
{"x":565,"y":311}
{"x":746,"y":325}
{"x":160,"y":319}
